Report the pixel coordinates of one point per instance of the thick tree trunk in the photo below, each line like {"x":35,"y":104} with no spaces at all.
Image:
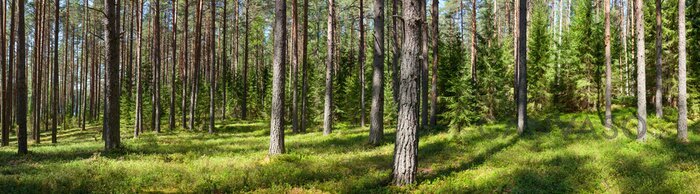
{"x":376,"y":131}
{"x":406,"y":146}
{"x":111,"y":114}
{"x":21,"y":95}
{"x":436,"y":40}
{"x":327,"y":110}
{"x":659,"y":71}
{"x":522,"y":66}
{"x":608,"y":69}
{"x":682,"y":93}
{"x":641,"y":74}
{"x":277,"y":112}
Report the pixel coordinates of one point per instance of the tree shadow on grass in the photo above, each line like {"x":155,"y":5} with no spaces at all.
{"x":565,"y":173}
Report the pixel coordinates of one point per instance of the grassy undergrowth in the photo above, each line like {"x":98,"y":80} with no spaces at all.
{"x":564,"y":153}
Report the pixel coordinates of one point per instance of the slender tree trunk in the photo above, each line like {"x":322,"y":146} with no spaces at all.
{"x":682,"y":93}
{"x":436,"y":40}
{"x":658,"y":100}
{"x":396,"y":71}
{"x":21,"y":95}
{"x":36,"y":72}
{"x":173,"y":47}
{"x":361,"y":63}
{"x":641,"y":76}
{"x":244,"y":102}
{"x":608,"y":70}
{"x":277,"y":112}
{"x":186,"y":63}
{"x":139,"y":88}
{"x":295,"y":66}
{"x":6,"y":108}
{"x":327,"y":110}
{"x":111,"y":114}
{"x":197,"y":61}
{"x":304,"y":66}
{"x":406,"y":146}
{"x":522,"y":66}
{"x":224,"y":62}
{"x":424,"y":66}
{"x":54,"y":119}
{"x":376,"y":131}
{"x":473,"y":43}
{"x":155,"y":53}
{"x":212,"y":75}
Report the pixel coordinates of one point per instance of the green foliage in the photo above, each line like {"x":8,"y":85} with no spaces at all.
{"x":539,"y":66}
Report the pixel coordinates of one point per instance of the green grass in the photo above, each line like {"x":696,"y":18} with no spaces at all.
{"x":562,"y":155}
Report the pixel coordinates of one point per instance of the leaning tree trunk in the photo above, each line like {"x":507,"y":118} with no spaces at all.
{"x":641,"y":79}
{"x":376,"y":131}
{"x":327,"y":110}
{"x":111,"y":114}
{"x":682,"y":93}
{"x":659,"y":71}
{"x":21,"y":95}
{"x":277,"y":115}
{"x":406,"y":146}
{"x":522,"y":66}
{"x":608,"y":70}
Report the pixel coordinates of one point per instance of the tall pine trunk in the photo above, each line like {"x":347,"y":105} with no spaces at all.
{"x":424,"y":66}
{"x":304,"y":66}
{"x":682,"y":93}
{"x":361,"y":63}
{"x":295,"y":66}
{"x":155,"y":54}
{"x":327,"y":109}
{"x":212,"y":61}
{"x":376,"y":131}
{"x":173,"y":48}
{"x":522,"y":66}
{"x":54,"y":118}
{"x":139,"y":88}
{"x":111,"y":114}
{"x":659,"y":71}
{"x":21,"y":94}
{"x":277,"y":112}
{"x":641,"y":74}
{"x":436,"y":41}
{"x":5,"y":116}
{"x":197,"y":61}
{"x":406,"y":146}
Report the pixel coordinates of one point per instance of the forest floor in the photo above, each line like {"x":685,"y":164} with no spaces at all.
{"x":564,"y":154}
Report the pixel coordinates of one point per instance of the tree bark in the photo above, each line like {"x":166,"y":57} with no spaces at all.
{"x":304,"y":66}
{"x":327,"y":110}
{"x":139,"y":88}
{"x":5,"y":79}
{"x":376,"y":131}
{"x":173,"y":48}
{"x":406,"y":146}
{"x":244,"y":102}
{"x":424,"y":66}
{"x":436,"y":49}
{"x":212,"y":73}
{"x":54,"y":119}
{"x":295,"y":66}
{"x":111,"y":114}
{"x":608,"y":69}
{"x":21,"y":95}
{"x":277,"y":112}
{"x":522,"y":66}
{"x":155,"y":54}
{"x":186,"y":63}
{"x":659,"y":71}
{"x":641,"y":76}
{"x":395,"y":71}
{"x":197,"y":60}
{"x":682,"y":93}
{"x":361,"y":63}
